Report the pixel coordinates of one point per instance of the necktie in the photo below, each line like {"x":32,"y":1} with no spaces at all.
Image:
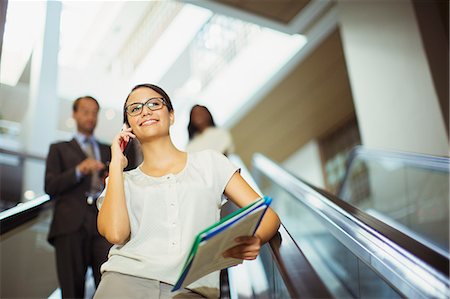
{"x":96,"y":183}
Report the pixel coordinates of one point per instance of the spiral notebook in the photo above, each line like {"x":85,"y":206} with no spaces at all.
{"x":206,"y":252}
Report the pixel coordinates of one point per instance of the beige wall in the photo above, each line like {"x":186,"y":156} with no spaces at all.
{"x":313,"y":99}
{"x":395,"y":98}
{"x":306,"y":164}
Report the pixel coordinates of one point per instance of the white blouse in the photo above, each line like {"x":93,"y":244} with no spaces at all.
{"x":214,"y":138}
{"x":166,"y":213}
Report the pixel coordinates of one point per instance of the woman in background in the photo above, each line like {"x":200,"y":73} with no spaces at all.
{"x":153,"y":212}
{"x":203,"y":133}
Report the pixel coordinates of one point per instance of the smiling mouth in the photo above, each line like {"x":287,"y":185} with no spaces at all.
{"x":149,"y":122}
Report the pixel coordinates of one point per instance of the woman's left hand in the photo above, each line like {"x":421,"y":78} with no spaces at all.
{"x":247,"y":249}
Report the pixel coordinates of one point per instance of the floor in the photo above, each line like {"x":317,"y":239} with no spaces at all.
{"x":89,"y":288}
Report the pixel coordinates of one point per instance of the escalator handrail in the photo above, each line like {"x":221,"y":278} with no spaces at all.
{"x":421,"y":161}
{"x":437,"y":163}
{"x":299,"y":277}
{"x":397,"y":257}
{"x":22,"y":155}
{"x":417,"y":160}
{"x":21,"y":213}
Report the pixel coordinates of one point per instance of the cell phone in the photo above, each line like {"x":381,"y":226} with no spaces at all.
{"x":125,"y":145}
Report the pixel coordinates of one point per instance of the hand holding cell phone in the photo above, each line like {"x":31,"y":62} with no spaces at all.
{"x":120,"y":145}
{"x":125,"y":140}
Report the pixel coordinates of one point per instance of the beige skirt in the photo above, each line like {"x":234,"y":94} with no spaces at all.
{"x":118,"y":285}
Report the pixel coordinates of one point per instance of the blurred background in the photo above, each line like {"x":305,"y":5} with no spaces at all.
{"x":300,"y":81}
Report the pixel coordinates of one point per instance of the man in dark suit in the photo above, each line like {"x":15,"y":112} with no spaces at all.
{"x":74,"y":177}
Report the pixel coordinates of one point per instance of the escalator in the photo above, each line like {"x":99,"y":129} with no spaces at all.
{"x":27,"y":259}
{"x":356,"y":254}
{"x":409,"y":192}
{"x":353,"y":247}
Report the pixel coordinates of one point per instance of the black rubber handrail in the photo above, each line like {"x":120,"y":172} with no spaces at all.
{"x":22,"y":213}
{"x":422,"y":272}
{"x":22,"y":155}
{"x":299,"y":277}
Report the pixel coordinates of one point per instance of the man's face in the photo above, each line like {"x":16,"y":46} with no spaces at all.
{"x":86,"y":116}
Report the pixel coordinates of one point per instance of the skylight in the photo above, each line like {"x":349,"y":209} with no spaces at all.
{"x":23,"y":27}
{"x":231,"y":61}
{"x":171,"y":44}
{"x":197,"y":56}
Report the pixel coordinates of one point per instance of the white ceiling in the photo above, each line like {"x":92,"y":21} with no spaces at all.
{"x":194,"y":53}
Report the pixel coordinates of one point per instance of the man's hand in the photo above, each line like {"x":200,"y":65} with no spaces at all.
{"x":247,"y":249}
{"x":89,"y":165}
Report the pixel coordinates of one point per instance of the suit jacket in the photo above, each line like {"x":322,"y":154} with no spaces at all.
{"x":61,"y":184}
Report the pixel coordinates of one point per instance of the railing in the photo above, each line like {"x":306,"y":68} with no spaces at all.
{"x":408,"y":191}
{"x":403,"y":266}
{"x":28,"y":262}
{"x":299,"y":277}
{"x":22,"y":177}
{"x":25,"y":227}
{"x":22,"y":155}
{"x":281,"y":270}
{"x":22,"y":213}
{"x":287,"y":266}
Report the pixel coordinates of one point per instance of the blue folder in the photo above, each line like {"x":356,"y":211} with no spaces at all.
{"x":206,"y":252}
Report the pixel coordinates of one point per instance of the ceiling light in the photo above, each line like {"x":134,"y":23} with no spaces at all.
{"x":110,"y":114}
{"x":29,"y":194}
{"x":70,"y":123}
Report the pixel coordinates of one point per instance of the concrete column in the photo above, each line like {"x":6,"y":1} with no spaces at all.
{"x":40,"y":122}
{"x":396,"y":103}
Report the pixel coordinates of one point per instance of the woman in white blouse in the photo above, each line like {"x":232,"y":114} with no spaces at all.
{"x":204,"y":134}
{"x":152,"y":213}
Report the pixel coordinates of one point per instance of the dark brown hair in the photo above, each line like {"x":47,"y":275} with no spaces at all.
{"x":77,"y":101}
{"x":192,"y":129}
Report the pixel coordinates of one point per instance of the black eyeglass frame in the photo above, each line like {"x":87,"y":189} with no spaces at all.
{"x":141,"y":105}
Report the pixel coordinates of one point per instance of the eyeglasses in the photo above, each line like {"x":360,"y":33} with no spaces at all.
{"x":152,"y":104}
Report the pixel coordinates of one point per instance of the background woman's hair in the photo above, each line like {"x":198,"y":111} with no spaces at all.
{"x":158,"y":89}
{"x":192,"y":129}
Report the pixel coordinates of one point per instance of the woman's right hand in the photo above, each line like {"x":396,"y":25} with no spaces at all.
{"x":118,"y":146}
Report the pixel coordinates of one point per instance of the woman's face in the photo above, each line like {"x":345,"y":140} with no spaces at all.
{"x":200,"y":118}
{"x":149,"y":123}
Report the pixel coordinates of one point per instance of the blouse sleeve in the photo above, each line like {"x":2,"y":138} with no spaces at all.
{"x":223,"y":170}
{"x":101,"y":197}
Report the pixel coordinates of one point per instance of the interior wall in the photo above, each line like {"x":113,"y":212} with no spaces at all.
{"x":392,"y":86}
{"x":311,"y":100}
{"x":306,"y":164}
{"x":432,"y":18}
{"x":3,"y":9}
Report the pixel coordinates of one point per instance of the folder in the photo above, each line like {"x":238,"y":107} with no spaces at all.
{"x":206,"y":252}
